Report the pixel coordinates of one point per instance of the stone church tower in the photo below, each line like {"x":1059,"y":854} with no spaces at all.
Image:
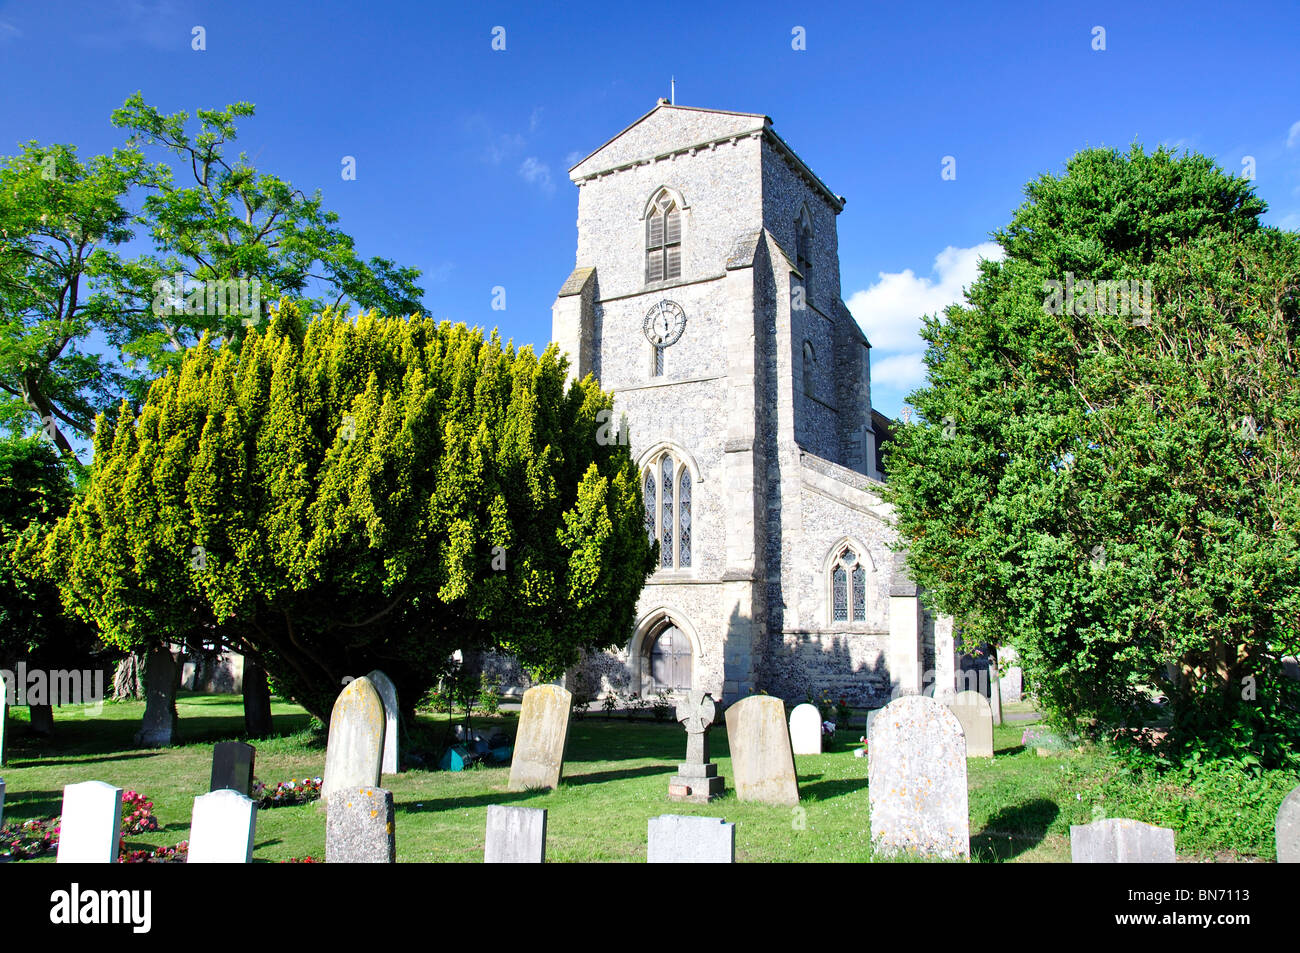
{"x":706,"y":295}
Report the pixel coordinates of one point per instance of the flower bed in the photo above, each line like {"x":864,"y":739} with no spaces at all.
{"x":286,"y":793}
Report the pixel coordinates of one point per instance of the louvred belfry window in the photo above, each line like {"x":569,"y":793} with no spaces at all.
{"x":663,"y":244}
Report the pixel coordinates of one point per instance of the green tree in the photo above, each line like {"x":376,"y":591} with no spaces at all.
{"x":358,"y":494}
{"x":35,"y":491}
{"x":1112,"y":487}
{"x":59,"y":221}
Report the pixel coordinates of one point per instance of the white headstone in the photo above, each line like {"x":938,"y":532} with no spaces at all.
{"x":355,"y":751}
{"x":388,"y":695}
{"x":222,"y":827}
{"x":806,"y":729}
{"x":1118,"y":840}
{"x":515,"y":835}
{"x":976,"y":717}
{"x":675,"y":839}
{"x":91,"y":823}
{"x":1286,"y":827}
{"x":4,"y":720}
{"x":917,"y":766}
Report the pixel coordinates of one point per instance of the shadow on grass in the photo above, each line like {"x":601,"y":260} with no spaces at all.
{"x":826,"y":790}
{"x":1015,"y":749}
{"x":596,"y":777}
{"x":77,"y":759}
{"x":427,"y":805}
{"x":1014,"y":830}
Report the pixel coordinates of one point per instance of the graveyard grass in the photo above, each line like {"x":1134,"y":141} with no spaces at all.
{"x":616,"y":778}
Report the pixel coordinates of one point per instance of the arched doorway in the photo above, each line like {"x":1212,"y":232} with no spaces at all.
{"x":668,"y":657}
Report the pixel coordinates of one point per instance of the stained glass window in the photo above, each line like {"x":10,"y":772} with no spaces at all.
{"x":859,"y":594}
{"x":666,"y":540}
{"x":848,"y":604}
{"x":684,"y":518}
{"x":648,"y":493}
{"x":840,"y":595}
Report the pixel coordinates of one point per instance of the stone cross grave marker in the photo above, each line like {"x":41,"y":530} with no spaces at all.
{"x":761,"y":759}
{"x":538,"y":760}
{"x":697,"y":779}
{"x":360,"y":827}
{"x":515,"y":835}
{"x":976,"y":716}
{"x":232,"y":767}
{"x":388,"y":695}
{"x":1286,"y":827}
{"x":222,"y":828}
{"x":1118,"y":840}
{"x":355,"y":751}
{"x":916,"y":758}
{"x":91,"y":823}
{"x":674,"y":839}
{"x":806,"y":729}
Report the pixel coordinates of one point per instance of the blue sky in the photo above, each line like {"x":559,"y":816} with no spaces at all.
{"x":461,"y":151}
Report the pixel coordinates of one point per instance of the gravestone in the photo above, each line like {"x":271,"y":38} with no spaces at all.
{"x":90,"y":824}
{"x":916,"y":756}
{"x":761,"y":759}
{"x":515,"y":835}
{"x":2,"y":802}
{"x":1287,"y":827}
{"x":697,"y":779}
{"x":1118,"y":840}
{"x":1013,"y":684}
{"x":355,"y":751}
{"x":674,"y":839}
{"x":4,"y":720}
{"x":232,"y":767}
{"x":162,"y":677}
{"x":538,"y":760}
{"x":976,"y":717}
{"x":360,"y":827}
{"x":222,"y":828}
{"x":806,"y":729}
{"x":388,"y":695}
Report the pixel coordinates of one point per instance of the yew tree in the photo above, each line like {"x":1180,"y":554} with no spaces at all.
{"x":346,"y":494}
{"x":1110,"y":483}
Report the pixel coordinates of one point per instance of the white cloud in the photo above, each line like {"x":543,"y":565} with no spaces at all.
{"x":538,"y":173}
{"x":1293,"y":137}
{"x":890,"y":313}
{"x":890,"y":310}
{"x":905,"y":372}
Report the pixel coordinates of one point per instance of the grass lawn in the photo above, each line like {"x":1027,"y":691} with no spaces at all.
{"x":616,"y":777}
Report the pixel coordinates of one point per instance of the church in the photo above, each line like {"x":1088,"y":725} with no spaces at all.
{"x":706,"y":296}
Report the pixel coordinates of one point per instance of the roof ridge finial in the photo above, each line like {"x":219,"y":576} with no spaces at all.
{"x":672,"y":91}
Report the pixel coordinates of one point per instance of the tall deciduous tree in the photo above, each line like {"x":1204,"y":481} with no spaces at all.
{"x":1107,"y":475}
{"x":358,"y":494}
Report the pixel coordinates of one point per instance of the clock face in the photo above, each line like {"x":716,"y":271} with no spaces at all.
{"x":664,"y":323}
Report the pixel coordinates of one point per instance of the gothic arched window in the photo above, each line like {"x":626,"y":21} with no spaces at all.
{"x":803,"y":248}
{"x":848,"y":588}
{"x":666,"y":488}
{"x":663,"y":239}
{"x":809,"y":362}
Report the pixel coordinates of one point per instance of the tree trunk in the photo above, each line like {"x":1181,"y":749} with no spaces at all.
{"x":162,"y":677}
{"x":257,"y":700}
{"x":42,"y":719}
{"x":126,"y":680}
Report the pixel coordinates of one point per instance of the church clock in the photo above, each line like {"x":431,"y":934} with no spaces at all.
{"x":664,"y":323}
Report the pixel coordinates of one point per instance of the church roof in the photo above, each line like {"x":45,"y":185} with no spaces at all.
{"x":641,"y":142}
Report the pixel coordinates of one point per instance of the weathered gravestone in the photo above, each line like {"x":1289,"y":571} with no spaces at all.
{"x":1013,"y":684}
{"x":1287,"y":827}
{"x":360,"y":827}
{"x":806,"y":729}
{"x":697,"y":779}
{"x":388,"y":695}
{"x":162,"y":677}
{"x":515,"y":835}
{"x":916,"y":756}
{"x":1118,"y":840}
{"x":232,"y":767}
{"x":538,"y":760}
{"x":674,"y":839}
{"x":222,"y":828}
{"x":355,"y":751}
{"x":976,"y":717}
{"x":91,"y":823}
{"x":761,"y":759}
